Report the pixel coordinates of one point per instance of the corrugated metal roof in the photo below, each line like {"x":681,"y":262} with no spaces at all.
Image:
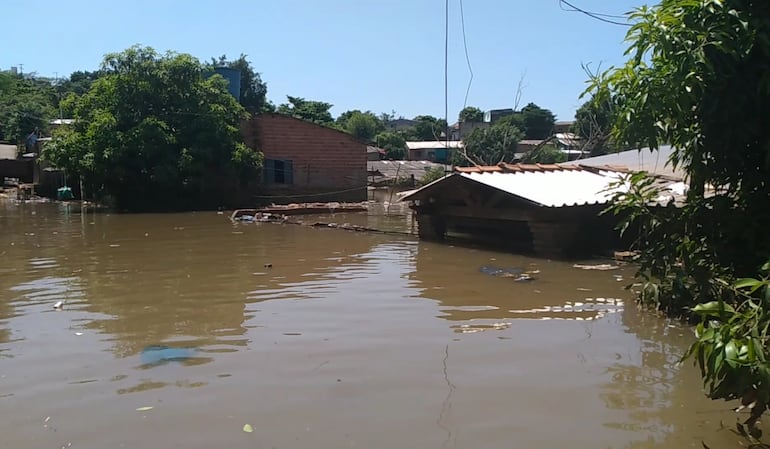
{"x":651,"y":161}
{"x":383,"y":171}
{"x":434,"y":144}
{"x":553,"y":188}
{"x":550,"y":185}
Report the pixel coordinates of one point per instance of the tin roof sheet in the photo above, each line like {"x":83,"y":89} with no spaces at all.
{"x":434,"y":144}
{"x":651,"y":161}
{"x":553,"y":188}
{"x":549,"y":185}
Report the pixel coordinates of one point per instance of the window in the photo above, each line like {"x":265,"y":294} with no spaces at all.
{"x":278,"y":171}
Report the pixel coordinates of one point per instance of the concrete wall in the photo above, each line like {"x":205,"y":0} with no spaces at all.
{"x":326,"y":165}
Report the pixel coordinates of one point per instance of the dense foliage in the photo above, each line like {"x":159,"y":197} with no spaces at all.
{"x":489,"y":146}
{"x":545,"y":154}
{"x":427,"y":128}
{"x":593,"y":124}
{"x":361,"y":125}
{"x":535,"y":122}
{"x":698,"y":78}
{"x":26,"y":105}
{"x":471,"y":114}
{"x":309,"y":110}
{"x":153,"y":132}
{"x":432,"y":174}
{"x":393,"y":143}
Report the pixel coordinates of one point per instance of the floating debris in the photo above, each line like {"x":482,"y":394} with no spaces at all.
{"x":58,"y":305}
{"x":626,"y":255}
{"x":158,"y":354}
{"x":247,"y":428}
{"x":599,"y":267}
{"x":515,"y":273}
{"x":144,"y":409}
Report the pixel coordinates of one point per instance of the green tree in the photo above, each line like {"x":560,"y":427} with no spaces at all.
{"x":26,"y":105}
{"x":545,"y":154}
{"x":253,"y":90}
{"x":393,"y":143}
{"x":78,"y":83}
{"x":593,"y":123}
{"x":537,"y":122}
{"x":361,"y":125}
{"x":471,"y":114}
{"x":154,"y":133}
{"x":427,"y":128}
{"x":489,"y":146}
{"x":308,"y":110}
{"x":698,"y":79}
{"x":433,"y":174}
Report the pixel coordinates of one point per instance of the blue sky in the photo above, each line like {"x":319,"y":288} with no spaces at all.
{"x":379,"y":55}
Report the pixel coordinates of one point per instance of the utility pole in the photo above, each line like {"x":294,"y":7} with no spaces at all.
{"x":21,"y":69}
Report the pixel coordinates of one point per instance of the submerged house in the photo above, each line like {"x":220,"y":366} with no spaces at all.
{"x":545,"y":209}
{"x":307,"y":162}
{"x":432,"y":150}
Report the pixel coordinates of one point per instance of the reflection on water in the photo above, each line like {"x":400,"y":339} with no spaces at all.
{"x":322,"y":338}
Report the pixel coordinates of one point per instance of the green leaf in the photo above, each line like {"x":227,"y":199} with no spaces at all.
{"x":731,"y":354}
{"x":713,"y":308}
{"x":748,"y":283}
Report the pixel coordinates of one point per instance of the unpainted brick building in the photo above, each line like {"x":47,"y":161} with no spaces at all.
{"x":307,"y":162}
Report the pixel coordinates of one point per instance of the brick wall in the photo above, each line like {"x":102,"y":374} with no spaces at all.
{"x":322,"y":160}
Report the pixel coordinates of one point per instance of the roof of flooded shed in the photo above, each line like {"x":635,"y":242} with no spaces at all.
{"x":553,"y":187}
{"x":549,"y":185}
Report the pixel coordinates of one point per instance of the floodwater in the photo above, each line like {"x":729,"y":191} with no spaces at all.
{"x":322,"y":338}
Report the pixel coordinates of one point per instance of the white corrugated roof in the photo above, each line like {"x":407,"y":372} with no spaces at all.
{"x":652,"y":161}
{"x":434,"y":144}
{"x":554,"y":188}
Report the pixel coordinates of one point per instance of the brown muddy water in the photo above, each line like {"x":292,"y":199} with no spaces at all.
{"x":347,"y":340}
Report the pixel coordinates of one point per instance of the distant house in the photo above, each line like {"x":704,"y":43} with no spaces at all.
{"x":400,"y":124}
{"x":548,"y":209}
{"x":563,"y":126}
{"x":569,"y":144}
{"x":374,"y":153}
{"x":383,"y":173}
{"x":459,"y":130}
{"x":527,"y":145}
{"x":493,"y":115}
{"x":307,"y":162}
{"x":432,"y":150}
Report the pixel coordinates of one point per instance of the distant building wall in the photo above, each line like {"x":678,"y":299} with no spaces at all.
{"x":307,"y":161}
{"x":563,"y":127}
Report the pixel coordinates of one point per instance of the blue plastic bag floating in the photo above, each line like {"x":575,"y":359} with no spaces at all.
{"x":157,"y":354}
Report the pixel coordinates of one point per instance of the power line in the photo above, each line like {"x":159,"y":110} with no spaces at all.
{"x":594,"y":15}
{"x":446,"y":71}
{"x":467,"y":58}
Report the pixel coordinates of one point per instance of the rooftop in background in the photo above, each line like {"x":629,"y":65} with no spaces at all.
{"x":384,"y":172}
{"x":652,"y":161}
{"x":434,"y":144}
